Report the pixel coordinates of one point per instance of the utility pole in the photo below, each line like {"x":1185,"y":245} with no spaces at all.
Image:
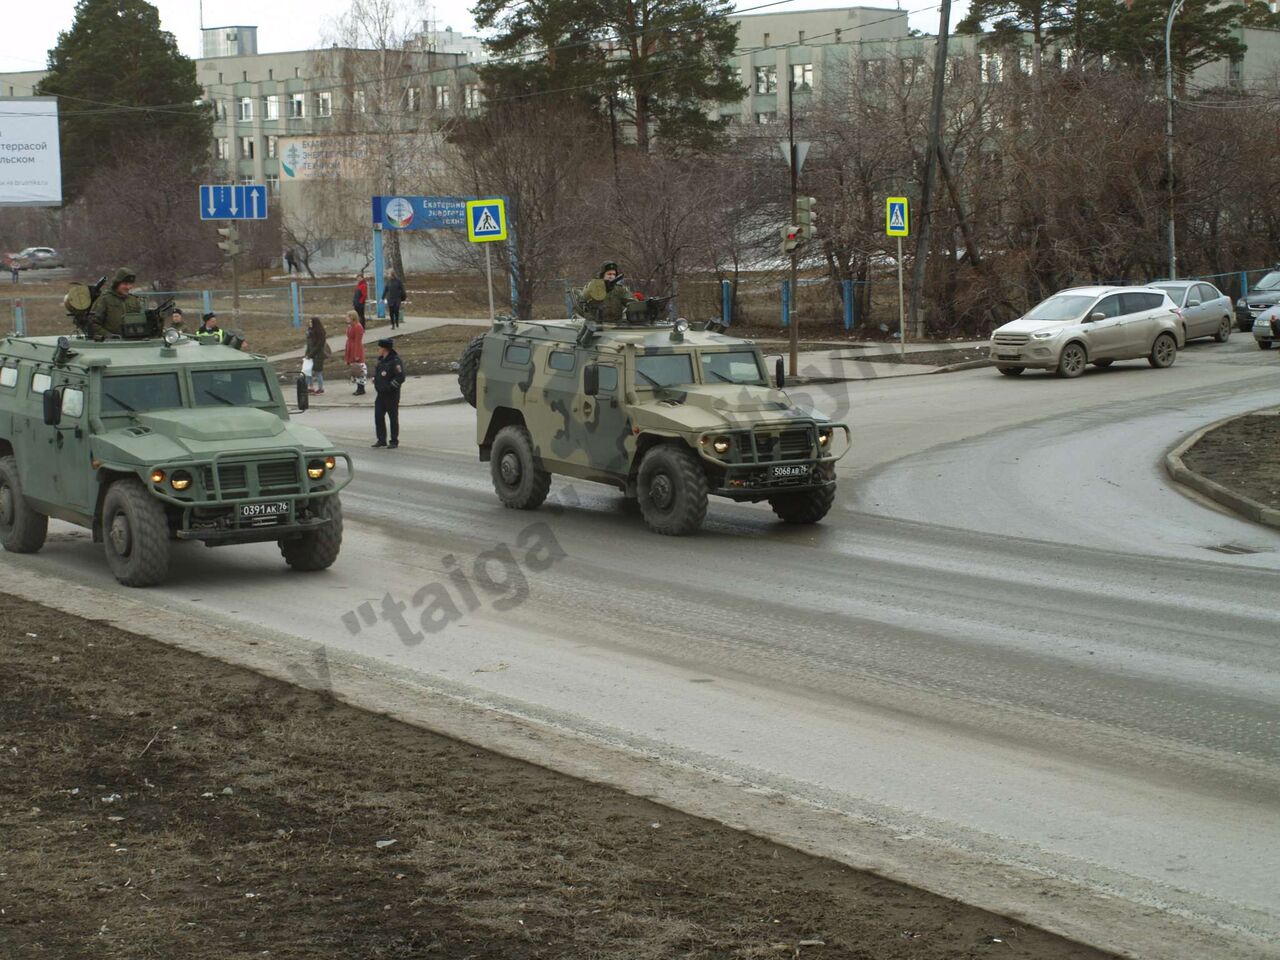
{"x":926,"y":189}
{"x":1168,"y":129}
{"x":794,"y":333}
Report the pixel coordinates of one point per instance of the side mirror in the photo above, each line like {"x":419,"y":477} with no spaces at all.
{"x":1193,"y":303}
{"x":52,"y":407}
{"x":779,"y":374}
{"x":591,"y":380}
{"x":1095,"y":317}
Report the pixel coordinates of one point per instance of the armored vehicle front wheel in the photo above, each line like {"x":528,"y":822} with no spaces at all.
{"x":807,"y":507}
{"x":317,"y":549}
{"x":468,"y":367}
{"x":135,"y":534}
{"x":22,"y":530}
{"x":673,"y":491}
{"x":518,"y":478}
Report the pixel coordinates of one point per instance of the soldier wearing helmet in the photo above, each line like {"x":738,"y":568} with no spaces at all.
{"x":605,"y":298}
{"x":114,"y":304}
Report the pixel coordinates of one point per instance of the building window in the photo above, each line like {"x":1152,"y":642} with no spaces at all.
{"x":273,"y":184}
{"x":271,"y":107}
{"x":763,"y":118}
{"x":442,"y":98}
{"x":837,"y":35}
{"x":766,"y":79}
{"x":324,"y":104}
{"x":359,"y":102}
{"x":1026,"y":61}
{"x":912,"y":68}
{"x":219,"y":78}
{"x":801,"y":40}
{"x":472,"y":98}
{"x":271,"y":74}
{"x":297,"y":106}
{"x":992,"y":67}
{"x":873,"y":71}
{"x":273,"y":146}
{"x":1235,"y":71}
{"x":766,"y":40}
{"x":246,"y":148}
{"x":244,"y":76}
{"x":244,"y":108}
{"x":246,"y":181}
{"x":297,"y":72}
{"x":414,"y":99}
{"x":802,"y":75}
{"x":223,"y":148}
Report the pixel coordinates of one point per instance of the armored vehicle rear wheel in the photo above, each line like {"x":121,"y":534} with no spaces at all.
{"x":519,"y":480}
{"x":807,"y":507}
{"x":468,"y":367}
{"x":135,"y":534}
{"x":673,"y":491}
{"x":317,"y":549}
{"x":22,"y":530}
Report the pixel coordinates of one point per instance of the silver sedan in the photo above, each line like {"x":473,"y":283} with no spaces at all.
{"x":1206,"y":310}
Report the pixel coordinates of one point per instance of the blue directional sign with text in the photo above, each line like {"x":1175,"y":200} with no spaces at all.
{"x":420,"y":213}
{"x":244,"y":201}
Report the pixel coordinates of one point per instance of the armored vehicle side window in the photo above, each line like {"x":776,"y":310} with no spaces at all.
{"x":664,"y":370}
{"x":72,"y":403}
{"x":8,"y":376}
{"x":608,"y":378}
{"x":230,"y":388}
{"x":735,"y":366}
{"x":560,"y":360}
{"x":148,"y":391}
{"x":40,"y":382}
{"x":517,"y":353}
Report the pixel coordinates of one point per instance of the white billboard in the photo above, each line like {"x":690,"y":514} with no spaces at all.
{"x":30,"y":162}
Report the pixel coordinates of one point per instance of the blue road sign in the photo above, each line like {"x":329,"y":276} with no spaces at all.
{"x":420,"y":213}
{"x":244,"y":201}
{"x":486,"y":220}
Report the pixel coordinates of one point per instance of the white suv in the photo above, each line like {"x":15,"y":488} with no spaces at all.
{"x":1090,"y":325}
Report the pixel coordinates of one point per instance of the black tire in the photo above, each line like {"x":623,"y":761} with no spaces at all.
{"x":1072,"y":361}
{"x":1264,"y":344}
{"x":807,"y":507}
{"x":1103,"y":364}
{"x":672,"y":488}
{"x":316,"y":549}
{"x":1244,"y":326}
{"x":1224,"y":330}
{"x":22,"y":530}
{"x":1011,"y":371}
{"x":468,"y":367}
{"x":518,"y":478}
{"x":135,"y":534}
{"x":1164,"y":350}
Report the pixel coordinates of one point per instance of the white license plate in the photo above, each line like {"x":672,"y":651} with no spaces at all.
{"x":789,"y":470}
{"x":253,"y":511}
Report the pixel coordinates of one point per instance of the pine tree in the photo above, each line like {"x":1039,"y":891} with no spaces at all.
{"x":122,"y":87}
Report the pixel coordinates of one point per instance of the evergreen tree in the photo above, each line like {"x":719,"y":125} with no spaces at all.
{"x":1202,"y":34}
{"x":122,"y":87}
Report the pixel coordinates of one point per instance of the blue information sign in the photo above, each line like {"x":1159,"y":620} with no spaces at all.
{"x":243,"y":201}
{"x":420,"y":213}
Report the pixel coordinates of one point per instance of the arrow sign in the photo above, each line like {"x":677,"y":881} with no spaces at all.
{"x":239,"y":202}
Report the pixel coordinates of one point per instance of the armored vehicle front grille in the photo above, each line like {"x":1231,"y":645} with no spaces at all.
{"x":764,"y":446}
{"x":1011,"y":339}
{"x":233,"y":478}
{"x":278,"y":473}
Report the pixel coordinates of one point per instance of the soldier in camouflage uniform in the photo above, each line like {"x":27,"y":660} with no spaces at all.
{"x":605,"y":298}
{"x":113,"y":305}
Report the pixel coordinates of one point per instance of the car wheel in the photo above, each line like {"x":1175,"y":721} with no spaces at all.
{"x":135,"y":534}
{"x":673,"y":491}
{"x":1244,"y":325}
{"x":1224,"y":330}
{"x":1163,"y":351}
{"x":317,"y":549}
{"x":1011,"y":371}
{"x":519,"y":480}
{"x":1103,"y":364}
{"x":1072,"y":361}
{"x":1264,"y":344}
{"x":22,"y":530}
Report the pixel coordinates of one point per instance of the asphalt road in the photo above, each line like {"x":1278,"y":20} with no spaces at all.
{"x":1010,"y":652}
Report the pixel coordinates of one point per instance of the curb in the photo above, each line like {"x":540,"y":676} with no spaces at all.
{"x":1247,"y":507}
{"x":965,"y":365}
{"x":403,"y":406}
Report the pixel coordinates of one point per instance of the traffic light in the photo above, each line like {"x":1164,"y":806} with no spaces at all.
{"x":230,"y":242}
{"x":805,"y":216}
{"x":791,"y":239}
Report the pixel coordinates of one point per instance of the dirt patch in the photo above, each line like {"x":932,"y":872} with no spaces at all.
{"x":1243,"y":455}
{"x":157,"y":804}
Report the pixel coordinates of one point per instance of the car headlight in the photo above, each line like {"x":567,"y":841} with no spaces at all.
{"x":181,"y":480}
{"x":824,"y":437}
{"x":1242,"y":302}
{"x":1044,"y":335}
{"x":315,"y":469}
{"x":720,"y":445}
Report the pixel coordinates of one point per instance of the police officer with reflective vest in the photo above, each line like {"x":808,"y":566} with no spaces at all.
{"x":209,"y":331}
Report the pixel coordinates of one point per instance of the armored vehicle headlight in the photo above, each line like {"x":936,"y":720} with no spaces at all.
{"x":681,"y":325}
{"x":180,"y":480}
{"x":315,"y":469}
{"x":330,"y":462}
{"x":171,"y":336}
{"x":157,"y":476}
{"x":824,"y":436}
{"x":720,"y":445}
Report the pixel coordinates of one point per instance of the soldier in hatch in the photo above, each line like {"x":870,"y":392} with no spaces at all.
{"x":605,"y":298}
{"x":114,"y":304}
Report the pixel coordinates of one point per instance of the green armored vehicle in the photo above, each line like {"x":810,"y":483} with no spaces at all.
{"x":667,"y":415}
{"x":150,"y":440}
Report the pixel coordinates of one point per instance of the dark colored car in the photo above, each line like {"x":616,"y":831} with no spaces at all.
{"x":1261,"y":297}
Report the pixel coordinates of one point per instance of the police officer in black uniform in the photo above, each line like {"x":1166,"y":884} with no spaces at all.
{"x":387,"y":378}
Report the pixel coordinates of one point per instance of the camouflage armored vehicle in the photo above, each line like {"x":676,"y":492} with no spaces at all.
{"x":145,"y":441}
{"x":667,"y":415}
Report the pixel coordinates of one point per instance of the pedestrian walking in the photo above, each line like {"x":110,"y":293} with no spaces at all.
{"x":317,"y":351}
{"x":394,"y":296}
{"x":290,"y":260}
{"x":387,"y":378}
{"x":360,"y":296}
{"x":354,"y":354}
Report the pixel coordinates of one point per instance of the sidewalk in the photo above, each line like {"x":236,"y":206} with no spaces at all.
{"x":378,"y":329}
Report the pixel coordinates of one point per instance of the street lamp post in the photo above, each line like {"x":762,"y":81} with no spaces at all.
{"x":1168,"y":128}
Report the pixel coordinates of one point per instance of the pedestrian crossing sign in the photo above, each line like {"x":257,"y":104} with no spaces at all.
{"x":486,"y":220}
{"x":896,"y":219}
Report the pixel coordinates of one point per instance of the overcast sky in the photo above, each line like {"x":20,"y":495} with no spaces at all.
{"x":34,"y":25}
